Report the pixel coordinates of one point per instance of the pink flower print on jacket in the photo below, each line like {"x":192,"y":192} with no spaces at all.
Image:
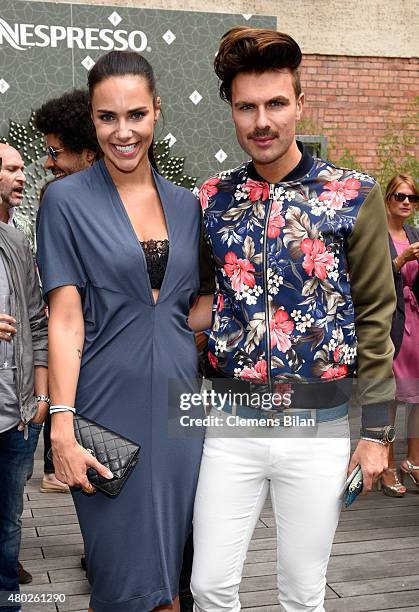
{"x":208,"y":189}
{"x":258,"y":190}
{"x":317,"y":260}
{"x":276,"y":220}
{"x":339,"y":371}
{"x":213,"y":360}
{"x":255,"y":373}
{"x":281,"y":326}
{"x":239,"y":271}
{"x":339,"y":192}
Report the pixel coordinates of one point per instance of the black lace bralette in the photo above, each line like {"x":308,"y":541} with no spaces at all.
{"x":156,"y":254}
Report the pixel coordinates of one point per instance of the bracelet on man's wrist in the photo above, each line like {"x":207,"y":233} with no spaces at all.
{"x":43,"y":398}
{"x":375,"y":440}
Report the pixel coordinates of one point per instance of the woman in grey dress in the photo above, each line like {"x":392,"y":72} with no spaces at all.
{"x":118,"y":255}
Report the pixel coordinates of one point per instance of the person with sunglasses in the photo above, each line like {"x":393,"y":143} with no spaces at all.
{"x":402,"y":200}
{"x":70,"y":137}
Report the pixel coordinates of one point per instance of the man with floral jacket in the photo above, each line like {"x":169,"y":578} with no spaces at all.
{"x":303,"y":300}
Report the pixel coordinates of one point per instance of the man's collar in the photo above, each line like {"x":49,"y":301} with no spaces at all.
{"x":301,"y":169}
{"x":12,"y":211}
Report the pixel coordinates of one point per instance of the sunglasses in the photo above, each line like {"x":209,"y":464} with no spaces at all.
{"x":53,"y":153}
{"x":400,"y":197}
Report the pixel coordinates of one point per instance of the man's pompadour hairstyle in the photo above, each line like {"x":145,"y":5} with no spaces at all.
{"x":244,"y":49}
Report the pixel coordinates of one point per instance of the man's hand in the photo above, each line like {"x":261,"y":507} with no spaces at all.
{"x":6,"y":327}
{"x":373,"y":459}
{"x":39,"y":416}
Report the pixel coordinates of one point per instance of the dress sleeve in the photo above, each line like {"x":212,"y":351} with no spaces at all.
{"x":58,"y":254}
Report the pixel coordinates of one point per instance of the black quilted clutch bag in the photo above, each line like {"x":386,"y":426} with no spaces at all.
{"x":118,"y":454}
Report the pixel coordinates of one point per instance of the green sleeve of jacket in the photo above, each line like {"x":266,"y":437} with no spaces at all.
{"x":36,"y":312}
{"x":374,"y":298}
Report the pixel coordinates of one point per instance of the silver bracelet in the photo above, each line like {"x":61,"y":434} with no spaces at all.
{"x":43,"y":398}
{"x":374,"y":440}
{"x":61,"y":408}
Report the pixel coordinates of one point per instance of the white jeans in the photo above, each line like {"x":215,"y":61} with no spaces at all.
{"x":306,"y":477}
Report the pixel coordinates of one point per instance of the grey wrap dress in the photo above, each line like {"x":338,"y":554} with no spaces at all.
{"x":133,"y":346}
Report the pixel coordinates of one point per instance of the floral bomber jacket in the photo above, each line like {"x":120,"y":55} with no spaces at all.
{"x":304,"y":288}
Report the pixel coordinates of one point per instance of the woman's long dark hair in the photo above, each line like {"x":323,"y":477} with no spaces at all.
{"x":123,"y":63}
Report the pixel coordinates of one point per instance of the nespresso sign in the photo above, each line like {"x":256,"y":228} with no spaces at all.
{"x":21,"y":36}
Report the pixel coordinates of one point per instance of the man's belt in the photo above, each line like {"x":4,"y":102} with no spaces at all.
{"x":307,"y":395}
{"x":288,"y":418}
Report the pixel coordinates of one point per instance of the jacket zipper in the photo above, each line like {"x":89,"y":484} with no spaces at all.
{"x":265,"y":285}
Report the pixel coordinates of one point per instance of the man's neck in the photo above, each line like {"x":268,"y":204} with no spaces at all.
{"x":275,"y":172}
{"x":4,"y":214}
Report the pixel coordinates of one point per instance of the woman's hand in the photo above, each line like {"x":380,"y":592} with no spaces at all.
{"x":71,"y":461}
{"x":409,"y":254}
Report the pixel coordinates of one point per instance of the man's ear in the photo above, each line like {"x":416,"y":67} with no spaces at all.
{"x":90,"y":156}
{"x":300,"y":105}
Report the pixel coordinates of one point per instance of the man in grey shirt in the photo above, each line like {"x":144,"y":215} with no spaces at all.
{"x":9,"y":405}
{"x":23,"y":372}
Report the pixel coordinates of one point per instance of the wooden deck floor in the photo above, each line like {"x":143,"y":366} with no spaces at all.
{"x":374,"y":563}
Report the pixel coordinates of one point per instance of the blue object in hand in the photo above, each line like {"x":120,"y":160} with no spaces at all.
{"x":353,"y":487}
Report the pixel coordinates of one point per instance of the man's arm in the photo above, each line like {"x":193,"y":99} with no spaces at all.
{"x":374,"y":298}
{"x":36,"y":313}
{"x":41,"y":388}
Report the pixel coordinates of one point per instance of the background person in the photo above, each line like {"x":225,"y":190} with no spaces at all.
{"x":118,"y":253}
{"x":71,"y":146}
{"x":23,"y":379}
{"x":12,"y":182}
{"x":70,"y":137}
{"x":402,"y":200}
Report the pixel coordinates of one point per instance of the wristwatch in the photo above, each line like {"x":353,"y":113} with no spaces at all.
{"x":387,"y":435}
{"x":43,"y":398}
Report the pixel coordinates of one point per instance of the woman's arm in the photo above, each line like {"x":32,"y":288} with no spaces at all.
{"x":200,"y":315}
{"x":66,"y":339}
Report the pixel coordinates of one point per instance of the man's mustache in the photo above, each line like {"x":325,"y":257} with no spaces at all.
{"x":263,"y":134}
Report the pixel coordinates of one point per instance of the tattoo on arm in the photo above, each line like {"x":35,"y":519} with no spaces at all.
{"x":79,"y":353}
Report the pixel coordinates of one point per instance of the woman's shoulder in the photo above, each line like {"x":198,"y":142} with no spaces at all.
{"x":78,"y":180}
{"x":72,"y":190}
{"x":177,"y":192}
